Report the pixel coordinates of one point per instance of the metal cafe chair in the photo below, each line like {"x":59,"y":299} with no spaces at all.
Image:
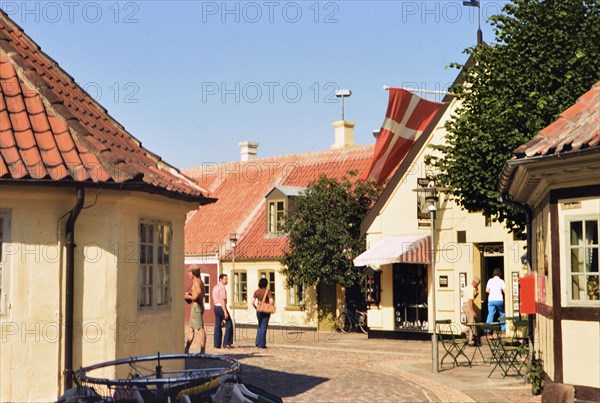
{"x":453,"y":345}
{"x":505,"y":351}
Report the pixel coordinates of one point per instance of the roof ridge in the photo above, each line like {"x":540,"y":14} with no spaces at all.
{"x":356,"y":148}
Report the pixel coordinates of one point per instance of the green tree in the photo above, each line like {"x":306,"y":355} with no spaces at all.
{"x":324,"y":231}
{"x":547,"y":54}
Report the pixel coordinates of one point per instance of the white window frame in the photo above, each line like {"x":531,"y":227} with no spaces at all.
{"x":266,"y":273}
{"x":240,"y":288}
{"x":207,"y":289}
{"x":276,"y":217}
{"x":151,"y":272}
{"x":5,"y":260}
{"x":567,"y":248}
{"x":293,"y":299}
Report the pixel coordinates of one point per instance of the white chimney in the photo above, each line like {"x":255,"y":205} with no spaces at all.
{"x":248,"y":150}
{"x":344,"y":134}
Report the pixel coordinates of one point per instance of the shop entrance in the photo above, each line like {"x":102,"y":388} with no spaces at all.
{"x":410,"y":296}
{"x":493,"y":256}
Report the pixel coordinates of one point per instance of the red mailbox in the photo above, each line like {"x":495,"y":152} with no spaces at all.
{"x":527,"y":294}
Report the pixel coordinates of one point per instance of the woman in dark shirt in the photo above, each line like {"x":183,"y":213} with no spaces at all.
{"x":263,"y":318}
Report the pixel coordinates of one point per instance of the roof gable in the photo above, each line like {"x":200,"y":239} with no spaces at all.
{"x":53,"y":131}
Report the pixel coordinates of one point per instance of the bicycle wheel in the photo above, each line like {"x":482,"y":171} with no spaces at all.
{"x":343,"y":323}
{"x":362,"y":324}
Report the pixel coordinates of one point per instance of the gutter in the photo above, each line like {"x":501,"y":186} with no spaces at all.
{"x":69,"y":279}
{"x":511,"y":165}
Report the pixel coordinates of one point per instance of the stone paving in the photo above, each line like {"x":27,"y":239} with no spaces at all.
{"x":306,"y":366}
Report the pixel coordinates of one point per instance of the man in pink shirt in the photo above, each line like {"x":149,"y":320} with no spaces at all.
{"x":219,"y":296}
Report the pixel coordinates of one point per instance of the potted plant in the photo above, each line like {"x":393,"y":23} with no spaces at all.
{"x":535,"y":375}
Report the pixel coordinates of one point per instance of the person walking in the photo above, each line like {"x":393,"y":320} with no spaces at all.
{"x":196,"y":297}
{"x":495,"y":289}
{"x":219,"y":295}
{"x":469,"y":293}
{"x":263,"y":318}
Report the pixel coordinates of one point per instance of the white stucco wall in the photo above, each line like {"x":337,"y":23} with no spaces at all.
{"x":107,"y":322}
{"x":581,"y":353}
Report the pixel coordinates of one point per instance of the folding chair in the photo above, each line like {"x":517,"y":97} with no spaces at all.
{"x":505,"y":351}
{"x":454,"y":346}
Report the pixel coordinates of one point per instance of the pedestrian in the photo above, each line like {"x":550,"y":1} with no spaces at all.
{"x":219,"y":295}
{"x":263,"y":318}
{"x":469,"y":293}
{"x":495,"y":289}
{"x":195,"y":296}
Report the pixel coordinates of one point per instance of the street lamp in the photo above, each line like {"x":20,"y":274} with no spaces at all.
{"x":431,"y":198}
{"x":233,"y":242}
{"x":343,"y":94}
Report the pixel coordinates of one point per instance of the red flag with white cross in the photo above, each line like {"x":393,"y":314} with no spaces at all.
{"x":406,"y":119}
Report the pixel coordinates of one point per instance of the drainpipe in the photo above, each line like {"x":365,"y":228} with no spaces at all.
{"x":69,"y":279}
{"x":529,"y":225}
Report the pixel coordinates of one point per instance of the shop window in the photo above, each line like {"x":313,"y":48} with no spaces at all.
{"x":410,"y":296}
{"x":583,"y":281}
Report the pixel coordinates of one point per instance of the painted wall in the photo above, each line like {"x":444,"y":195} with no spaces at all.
{"x":581,"y":363}
{"x":399,"y":217}
{"x":285,"y":315}
{"x":108,"y":324}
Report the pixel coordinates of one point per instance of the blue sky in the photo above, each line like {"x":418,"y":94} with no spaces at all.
{"x":192,"y":79}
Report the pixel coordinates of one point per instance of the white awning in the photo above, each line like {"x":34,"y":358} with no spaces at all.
{"x":397,"y":249}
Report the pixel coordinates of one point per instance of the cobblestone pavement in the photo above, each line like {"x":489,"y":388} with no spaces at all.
{"x":306,"y":366}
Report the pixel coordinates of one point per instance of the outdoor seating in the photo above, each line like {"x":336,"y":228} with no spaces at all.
{"x":477,"y":329}
{"x":454,"y":345}
{"x":507,"y":354}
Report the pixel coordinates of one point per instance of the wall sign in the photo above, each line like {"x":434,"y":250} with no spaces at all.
{"x":515,"y":293}
{"x":443,"y":281}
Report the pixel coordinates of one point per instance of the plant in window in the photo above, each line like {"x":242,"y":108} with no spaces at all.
{"x":593,"y":288}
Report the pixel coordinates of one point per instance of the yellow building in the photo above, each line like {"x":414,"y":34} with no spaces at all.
{"x":402,"y":286}
{"x":91,"y":231}
{"x":557,"y":176}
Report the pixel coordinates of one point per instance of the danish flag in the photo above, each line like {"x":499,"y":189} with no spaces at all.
{"x":406,"y":118}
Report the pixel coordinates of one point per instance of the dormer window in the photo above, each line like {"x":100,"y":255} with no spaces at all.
{"x":280,"y":201}
{"x":275,"y":211}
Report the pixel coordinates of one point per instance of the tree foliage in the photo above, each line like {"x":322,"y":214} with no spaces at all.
{"x":324,"y":232}
{"x":547,"y":54}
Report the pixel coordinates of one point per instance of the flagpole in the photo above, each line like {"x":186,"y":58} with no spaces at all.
{"x":387,"y":87}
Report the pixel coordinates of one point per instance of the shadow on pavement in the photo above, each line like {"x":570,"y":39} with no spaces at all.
{"x":282,"y":384}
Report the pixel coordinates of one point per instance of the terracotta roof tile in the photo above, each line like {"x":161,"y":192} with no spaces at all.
{"x":576,"y":128}
{"x":241,"y":188}
{"x":25,"y":139}
{"x":64,"y":133}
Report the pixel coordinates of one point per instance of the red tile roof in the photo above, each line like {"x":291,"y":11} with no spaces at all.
{"x":241,"y":188}
{"x":52,"y":131}
{"x":576,"y":128}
